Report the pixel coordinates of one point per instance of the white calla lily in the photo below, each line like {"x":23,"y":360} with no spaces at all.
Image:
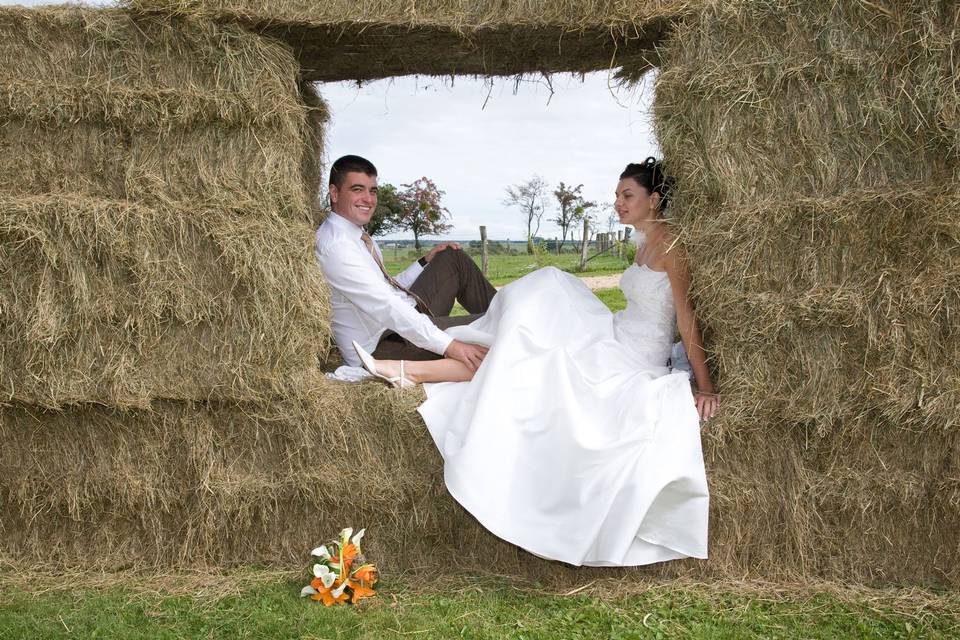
{"x":357,"y":538}
{"x":336,"y":593}
{"x":307,"y":591}
{"x":345,"y":535}
{"x":327,"y":577}
{"x":321,"y":552}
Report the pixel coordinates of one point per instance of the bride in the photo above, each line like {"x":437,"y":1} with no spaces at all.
{"x":573,"y":439}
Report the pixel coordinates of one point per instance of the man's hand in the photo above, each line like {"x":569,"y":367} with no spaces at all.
{"x":469,"y":354}
{"x":440,"y":247}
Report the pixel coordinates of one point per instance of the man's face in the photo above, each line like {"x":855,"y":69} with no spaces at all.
{"x":356,"y":200}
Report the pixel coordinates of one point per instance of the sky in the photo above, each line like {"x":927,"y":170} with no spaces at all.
{"x":474,"y":137}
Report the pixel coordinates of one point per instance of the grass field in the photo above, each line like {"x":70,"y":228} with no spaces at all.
{"x":467,"y":607}
{"x":507,"y":268}
{"x":503,"y":269}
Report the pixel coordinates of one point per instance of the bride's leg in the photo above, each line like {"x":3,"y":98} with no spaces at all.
{"x":445,"y":370}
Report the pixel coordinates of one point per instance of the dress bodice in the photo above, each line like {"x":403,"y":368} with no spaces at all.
{"x":648,"y":324}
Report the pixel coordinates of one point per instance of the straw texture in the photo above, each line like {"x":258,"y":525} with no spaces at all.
{"x":156,"y":191}
{"x":815,"y":150}
{"x":102,"y":103}
{"x":118,"y":303}
{"x":815,"y":146}
{"x":378,"y":38}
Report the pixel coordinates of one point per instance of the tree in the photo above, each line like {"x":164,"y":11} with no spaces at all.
{"x":390,"y":211}
{"x":422,"y":212}
{"x":613,"y":220}
{"x":529,"y":197}
{"x":571,"y":210}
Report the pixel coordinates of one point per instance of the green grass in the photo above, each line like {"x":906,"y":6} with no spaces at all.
{"x":471,"y":608}
{"x":507,"y":268}
{"x":503,"y":269}
{"x":613,"y":298}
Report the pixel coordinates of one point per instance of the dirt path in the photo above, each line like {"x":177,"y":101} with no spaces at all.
{"x":610,"y":281}
{"x":602,"y":282}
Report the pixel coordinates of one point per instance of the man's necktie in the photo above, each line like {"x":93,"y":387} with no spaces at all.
{"x":367,"y":240}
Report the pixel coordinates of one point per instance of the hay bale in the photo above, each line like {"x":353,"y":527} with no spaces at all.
{"x":156,"y":189}
{"x":111,"y":105}
{"x":821,"y":309}
{"x":119,"y":303}
{"x":375,"y":38}
{"x":226,"y":484}
{"x":187,"y":484}
{"x":768,"y":97}
{"x":815,"y":150}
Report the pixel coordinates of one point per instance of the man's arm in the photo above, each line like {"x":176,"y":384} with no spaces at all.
{"x":348,"y":269}
{"x":409,"y":275}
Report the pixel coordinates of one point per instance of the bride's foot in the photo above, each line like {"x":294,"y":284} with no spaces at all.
{"x":390,"y":371}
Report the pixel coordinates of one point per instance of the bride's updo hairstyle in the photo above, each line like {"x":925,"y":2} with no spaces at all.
{"x":649,"y":175}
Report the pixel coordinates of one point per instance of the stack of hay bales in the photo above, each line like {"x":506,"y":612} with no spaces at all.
{"x":816,"y":150}
{"x":153,"y":212}
{"x":159,"y":287}
{"x":163,"y":320}
{"x":160,"y":340}
{"x":162,"y":314}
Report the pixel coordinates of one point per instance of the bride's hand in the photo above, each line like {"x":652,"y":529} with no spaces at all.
{"x":707,"y":404}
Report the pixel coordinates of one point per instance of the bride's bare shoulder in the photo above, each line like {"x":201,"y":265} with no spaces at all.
{"x":663,"y":247}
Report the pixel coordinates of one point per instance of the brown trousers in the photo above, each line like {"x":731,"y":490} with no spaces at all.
{"x":451,"y":276}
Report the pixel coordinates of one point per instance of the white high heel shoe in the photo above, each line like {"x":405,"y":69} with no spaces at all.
{"x":399,"y":382}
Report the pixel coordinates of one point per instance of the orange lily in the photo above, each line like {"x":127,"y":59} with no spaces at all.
{"x":359,"y":591}
{"x":334,"y":594}
{"x":348,"y":555}
{"x":326,"y":596}
{"x":366,"y":573}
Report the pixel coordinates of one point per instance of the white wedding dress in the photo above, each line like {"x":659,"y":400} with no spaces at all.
{"x":574,"y":440}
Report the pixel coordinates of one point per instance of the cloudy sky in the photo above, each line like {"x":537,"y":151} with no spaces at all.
{"x":474,"y":137}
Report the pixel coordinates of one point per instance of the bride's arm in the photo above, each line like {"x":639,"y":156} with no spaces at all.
{"x":679,"y":275}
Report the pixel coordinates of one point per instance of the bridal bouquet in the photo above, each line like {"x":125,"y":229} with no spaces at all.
{"x":339,"y":573}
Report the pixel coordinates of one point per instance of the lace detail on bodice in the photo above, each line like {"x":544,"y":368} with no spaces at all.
{"x":648,"y":325}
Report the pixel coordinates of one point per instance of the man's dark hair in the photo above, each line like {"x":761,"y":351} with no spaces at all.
{"x":347,"y":164}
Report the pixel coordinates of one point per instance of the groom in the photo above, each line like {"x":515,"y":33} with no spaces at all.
{"x":401,"y":317}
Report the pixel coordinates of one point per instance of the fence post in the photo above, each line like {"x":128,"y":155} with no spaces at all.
{"x":620,"y":243}
{"x":626,"y":234}
{"x":483,"y":249}
{"x":584,"y":244}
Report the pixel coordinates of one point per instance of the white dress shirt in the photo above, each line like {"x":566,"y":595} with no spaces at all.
{"x":364,"y":304}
